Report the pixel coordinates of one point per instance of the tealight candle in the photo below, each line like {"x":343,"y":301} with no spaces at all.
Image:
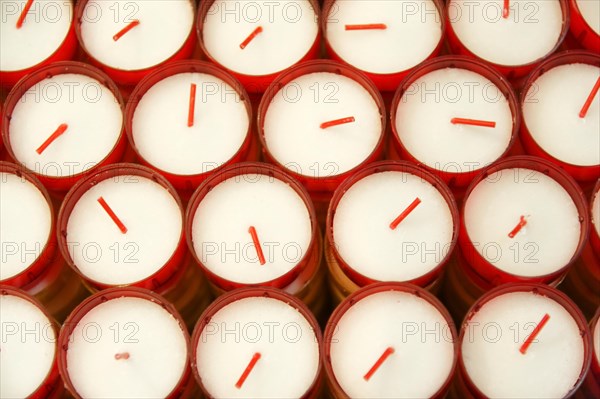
{"x":585,"y":23}
{"x":591,"y":387}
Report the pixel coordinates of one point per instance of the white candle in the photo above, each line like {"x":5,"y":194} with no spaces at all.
{"x":287,"y":344}
{"x":289,"y":30}
{"x":126,"y":348}
{"x":220,"y":229}
{"x":596,"y":213}
{"x":363,"y":236}
{"x":426,"y":110}
{"x":160,"y":124}
{"x":551,"y":113}
{"x":590,"y":10}
{"x":421,"y":339}
{"x":42,"y":32}
{"x":494,"y":209}
{"x":105,"y":254}
{"x":28,"y":347}
{"x":412,"y":32}
{"x":494,"y":337}
{"x":529,"y":32}
{"x":25,"y":224}
{"x":163,"y":28}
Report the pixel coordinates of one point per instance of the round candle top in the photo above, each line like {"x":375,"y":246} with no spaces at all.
{"x":28,"y":347}
{"x":426,"y":120}
{"x":551,"y":111}
{"x":416,"y":332}
{"x":25,"y":223}
{"x":288,"y":350}
{"x":515,"y":219}
{"x":596,"y":212}
{"x":65,"y":125}
{"x":152,"y":221}
{"x":497,"y":335}
{"x":221,"y":229}
{"x":590,"y":10}
{"x":410,"y":31}
{"x":132,"y":35}
{"x":294,"y":127}
{"x":162,"y":133}
{"x":126,"y":348}
{"x":529,"y":32}
{"x":261,"y":37}
{"x":41,"y":33}
{"x":361,"y":227}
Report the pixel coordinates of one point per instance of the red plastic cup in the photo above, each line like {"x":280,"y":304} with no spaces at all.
{"x":583,"y":32}
{"x":594,"y":236}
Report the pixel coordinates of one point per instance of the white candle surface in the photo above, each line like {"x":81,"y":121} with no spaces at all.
{"x":494,"y":335}
{"x":596,"y":213}
{"x":28,"y":347}
{"x":493,"y":210}
{"x":160,"y":124}
{"x":142,"y":329}
{"x":289,"y":29}
{"x":530,"y":32}
{"x":424,"y":114}
{"x":163,"y":28}
{"x":551,"y":114}
{"x":288,"y":347}
{"x":43,"y":31}
{"x":590,"y":10}
{"x":364,"y":239}
{"x":153,"y":221}
{"x":292,"y":125}
{"x":91,"y":112}
{"x":416,"y":331}
{"x":220,"y":233}
{"x":413,"y":31}
{"x":25,"y":223}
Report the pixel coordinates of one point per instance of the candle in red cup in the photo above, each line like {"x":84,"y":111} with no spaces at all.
{"x":595,"y":219}
{"x":255,"y":41}
{"x":585,"y":23}
{"x":390,"y":340}
{"x":128,"y":39}
{"x":384,"y":39}
{"x":257,"y":343}
{"x":591,"y":386}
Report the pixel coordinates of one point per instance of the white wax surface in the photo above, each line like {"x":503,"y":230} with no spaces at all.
{"x":490,"y":349}
{"x":494,"y":208}
{"x":220,"y":228}
{"x":551,"y":113}
{"x":153,"y":220}
{"x":590,"y":10}
{"x":161,"y":133}
{"x":164,"y":27}
{"x":280,"y":333}
{"x":530,"y":32}
{"x":424,"y":113}
{"x":289,"y":30}
{"x":292,"y":125}
{"x":418,"y":333}
{"x":25,"y":222}
{"x":28,"y":347}
{"x":151,"y":336}
{"x":596,"y":213}
{"x":413,"y":31}
{"x":41,"y":34}
{"x":361,"y":227}
{"x":91,"y":112}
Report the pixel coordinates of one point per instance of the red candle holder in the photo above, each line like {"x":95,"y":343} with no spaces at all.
{"x":591,"y":386}
{"x":594,"y":235}
{"x":581,"y":30}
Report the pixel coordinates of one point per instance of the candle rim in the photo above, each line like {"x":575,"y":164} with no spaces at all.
{"x":575,"y":5}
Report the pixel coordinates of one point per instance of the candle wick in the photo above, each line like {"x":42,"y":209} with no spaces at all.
{"x":192,"y":105}
{"x":534,"y":334}
{"x":366,"y":27}
{"x":337,"y":122}
{"x":251,"y":36}
{"x":126,"y":29}
{"x":590,"y":99}
{"x":473,"y":122}
{"x":405,"y":213}
{"x":112,"y":215}
{"x":124,"y":356}
{"x":247,"y":370}
{"x":518,"y":227}
{"x":24,"y":13}
{"x":57,"y":133}
{"x":256,"y":241}
{"x":387,"y":353}
{"x":505,"y":9}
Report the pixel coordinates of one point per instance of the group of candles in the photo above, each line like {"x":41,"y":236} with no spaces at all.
{"x":135,"y":209}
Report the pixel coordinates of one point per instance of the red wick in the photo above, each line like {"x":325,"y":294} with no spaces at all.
{"x":336,"y":122}
{"x":588,"y":102}
{"x":473,"y":122}
{"x":126,"y":29}
{"x":505,"y":9}
{"x":534,"y":333}
{"x":518,"y":227}
{"x":112,"y":215}
{"x":378,"y":363}
{"x":59,"y":131}
{"x":124,"y":356}
{"x":366,"y":26}
{"x":248,"y":370}
{"x":24,"y":14}
{"x":405,"y":213}
{"x":250,"y":37}
{"x":192,"y":105}
{"x":259,"y":251}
